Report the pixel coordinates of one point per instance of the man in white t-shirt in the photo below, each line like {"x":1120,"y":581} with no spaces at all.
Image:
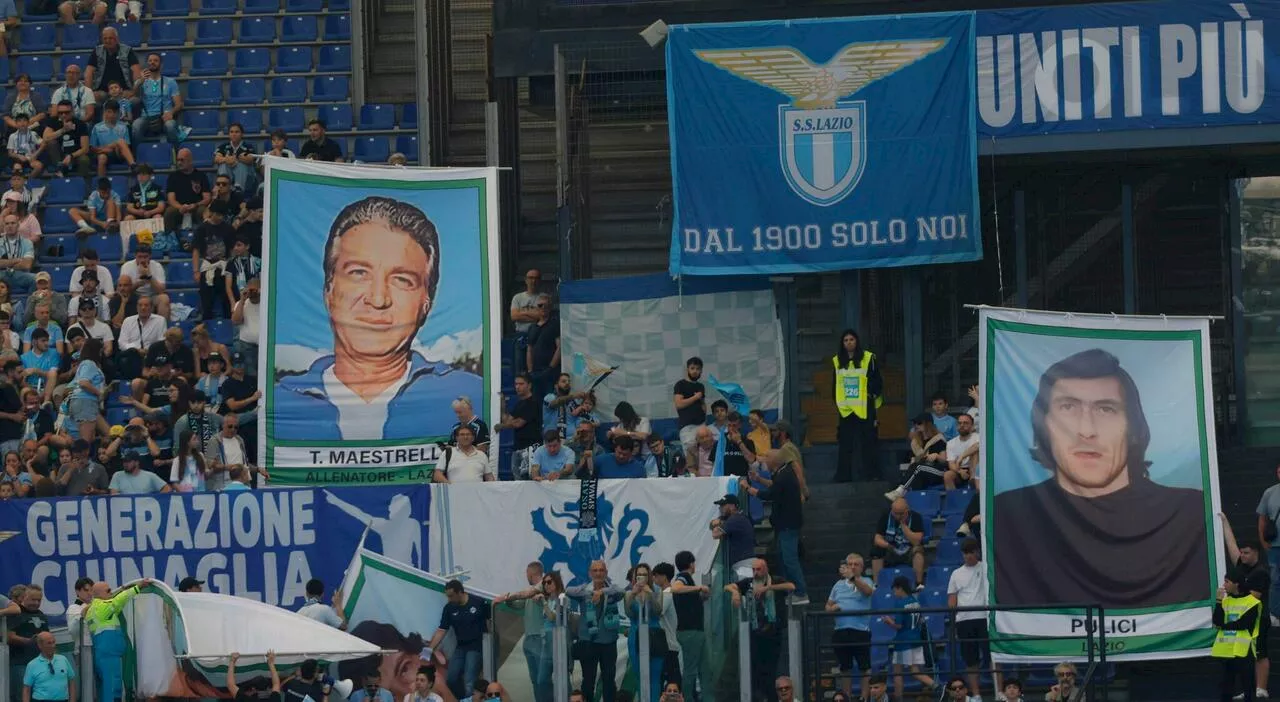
{"x":464,"y":463}
{"x":968,"y":588}
{"x":106,"y":285}
{"x":962,"y":455}
{"x":245,"y":315}
{"x":148,"y":278}
{"x":524,"y":310}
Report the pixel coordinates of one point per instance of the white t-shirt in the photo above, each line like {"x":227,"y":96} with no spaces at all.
{"x":957,"y":446}
{"x":468,"y":469}
{"x":106,"y":285}
{"x":98,"y":330}
{"x":249,"y":329}
{"x":154,"y":269}
{"x":232,"y":452}
{"x":525,"y":302}
{"x":357,"y":419}
{"x":969,"y":585}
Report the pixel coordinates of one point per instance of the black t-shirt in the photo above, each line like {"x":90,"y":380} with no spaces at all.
{"x":158,"y":390}
{"x":297,"y":690}
{"x":10,"y":401}
{"x":182,"y":359}
{"x":1242,"y":573}
{"x":145,"y":196}
{"x":735,"y":463}
{"x":542,"y":340}
{"x":27,"y":625}
{"x":467,"y":622}
{"x":43,"y":422}
{"x":70,"y":141}
{"x":695,"y":413}
{"x":530,"y":410}
{"x":233,"y":389}
{"x":130,"y":309}
{"x":688,"y":606}
{"x":326,"y":151}
{"x":112,"y":71}
{"x":214,"y":241}
{"x":478,"y":427}
{"x":256,"y":695}
{"x":188,"y":188}
{"x":892,"y":531}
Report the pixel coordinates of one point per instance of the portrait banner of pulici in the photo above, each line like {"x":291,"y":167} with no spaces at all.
{"x":1099,"y":484}
{"x":378,"y":294}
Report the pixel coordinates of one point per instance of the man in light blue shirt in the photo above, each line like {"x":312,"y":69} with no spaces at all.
{"x":135,"y":481}
{"x":109,"y":140}
{"x":622,"y":463}
{"x":942,"y":419}
{"x":372,"y":690}
{"x":318,"y":610}
{"x":49,"y":676}
{"x":40,"y":364}
{"x":551,"y":459}
{"x":161,"y":103}
{"x":852,"y":637}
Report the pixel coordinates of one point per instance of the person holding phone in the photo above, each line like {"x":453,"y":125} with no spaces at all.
{"x":161,"y":103}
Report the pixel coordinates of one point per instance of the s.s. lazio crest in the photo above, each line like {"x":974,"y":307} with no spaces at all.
{"x":822,"y":137}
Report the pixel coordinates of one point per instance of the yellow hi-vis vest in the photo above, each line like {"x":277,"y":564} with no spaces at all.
{"x":851,"y":386}
{"x":1237,"y":643}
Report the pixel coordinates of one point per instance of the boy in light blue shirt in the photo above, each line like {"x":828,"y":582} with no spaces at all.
{"x":908,"y":649}
{"x":942,"y":419}
{"x":109,"y":140}
{"x":550,"y":459}
{"x":102,"y":209}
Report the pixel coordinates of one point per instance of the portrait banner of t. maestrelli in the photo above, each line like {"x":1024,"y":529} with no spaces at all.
{"x":377,"y":313}
{"x":1099,"y":485}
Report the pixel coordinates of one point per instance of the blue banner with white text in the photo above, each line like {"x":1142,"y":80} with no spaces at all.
{"x":260,"y":544}
{"x":814,"y":145}
{"x":1127,"y":66}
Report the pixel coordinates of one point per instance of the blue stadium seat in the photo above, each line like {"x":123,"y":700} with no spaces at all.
{"x":120,"y":415}
{"x":217,"y":7}
{"x":336,"y":118}
{"x":407,"y":144}
{"x":371,"y":149}
{"x":289,"y":119}
{"x":957,"y":501}
{"x":131,"y":33}
{"x":293,"y":59}
{"x":190,"y":298}
{"x":252,"y":61}
{"x":247,"y":91}
{"x":249,"y":117}
{"x":303,"y":5}
{"x":37,"y":37}
{"x":158,"y":155}
{"x":60,"y":276}
{"x":66,"y":60}
{"x":40,"y":68}
{"x":204,"y":92}
{"x":58,"y":221}
{"x":222,"y":331}
{"x":337,"y":28}
{"x":170,"y":63}
{"x":4,"y":72}
{"x":926,"y":502}
{"x":168,"y":33}
{"x":953,"y":522}
{"x":202,"y":122}
{"x":409,"y":116}
{"x":120,"y":186}
{"x":936,"y":575}
{"x":300,"y":28}
{"x":213,"y":32}
{"x":376,"y":116}
{"x":42,"y":89}
{"x":331,"y":89}
{"x":261,"y":7}
{"x":68,"y":244}
{"x":888,"y":574}
{"x":79,"y":36}
{"x":65,"y":191}
{"x":179,"y":275}
{"x":339,"y":5}
{"x":288,"y":90}
{"x":171,"y":8}
{"x":948,"y":552}
{"x":108,"y":247}
{"x":202,"y":152}
{"x":334,"y":59}
{"x":208,"y":62}
{"x":257,"y":30}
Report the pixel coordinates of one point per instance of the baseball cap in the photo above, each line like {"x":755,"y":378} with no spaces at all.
{"x":188,"y":583}
{"x":116,"y":430}
{"x":215,"y":356}
{"x":199,"y":396}
{"x":727,"y":500}
{"x":44,"y":275}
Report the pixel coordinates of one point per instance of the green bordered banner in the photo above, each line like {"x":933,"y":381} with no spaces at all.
{"x":1099,"y":485}
{"x":379,"y":308}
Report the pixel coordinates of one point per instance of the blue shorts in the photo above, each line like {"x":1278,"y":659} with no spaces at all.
{"x":83,"y":409}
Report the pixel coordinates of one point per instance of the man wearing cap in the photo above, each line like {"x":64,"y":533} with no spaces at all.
{"x":45,"y":294}
{"x":134,"y":440}
{"x":89,"y":290}
{"x":106,"y":284}
{"x":138,"y":333}
{"x":239,"y":393}
{"x":135,"y":481}
{"x":81,"y":476}
{"x":210,"y":248}
{"x":109,"y":645}
{"x":735,"y":530}
{"x":190,"y":584}
{"x":89,"y":321}
{"x":17,"y":256}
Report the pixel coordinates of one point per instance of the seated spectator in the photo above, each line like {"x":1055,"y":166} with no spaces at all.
{"x":942,"y":419}
{"x":187,"y":192}
{"x":19,"y":479}
{"x":632,"y":425}
{"x":103,"y":282}
{"x":239,"y":393}
{"x":133,"y":440}
{"x":45,"y":294}
{"x":320,"y":147}
{"x":553,"y":459}
{"x":463,"y":463}
{"x":189,"y":467}
{"x":90,"y":323}
{"x":972,"y":525}
{"x":77,"y":475}
{"x":43,"y":321}
{"x":203,"y":347}
{"x":28,"y":223}
{"x":17,"y":256}
{"x":89,"y":293}
{"x":66,"y":142}
{"x":962,"y":455}
{"x":110,"y":62}
{"x":25,"y":146}
{"x":701,"y":457}
{"x":10,"y":342}
{"x":132,"y":480}
{"x":583,"y":440}
{"x":928,"y":458}
{"x":280,"y":145}
{"x":248,"y":224}
{"x":1013,"y":690}
{"x":398,"y":159}
{"x":226,"y":192}
{"x":40,"y":364}
{"x":669,"y":460}
{"x":210,"y":383}
{"x":899,"y":540}
{"x":138,"y":331}
{"x":109,"y":140}
{"x":128,"y":10}
{"x":145,"y":198}
{"x":22,"y":100}
{"x":235,"y":158}
{"x":210,"y":248}
{"x":622,"y":463}
{"x":124,"y":104}
{"x":160,"y":101}
{"x":72,"y":11}
{"x":245,"y":315}
{"x":101,"y":212}
{"x":148,"y":278}
{"x":83,"y":104}
{"x":152,"y":390}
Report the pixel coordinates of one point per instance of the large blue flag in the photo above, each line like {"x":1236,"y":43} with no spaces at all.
{"x":825,"y":144}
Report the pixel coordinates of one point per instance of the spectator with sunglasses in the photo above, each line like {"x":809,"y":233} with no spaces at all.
{"x":49,"y":677}
{"x":958,"y":691}
{"x":1065,"y":690}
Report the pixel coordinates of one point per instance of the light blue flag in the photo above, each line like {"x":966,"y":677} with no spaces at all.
{"x":733,"y":394}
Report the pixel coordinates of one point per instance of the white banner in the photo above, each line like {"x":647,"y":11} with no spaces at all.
{"x":493,"y":530}
{"x":1102,"y":484}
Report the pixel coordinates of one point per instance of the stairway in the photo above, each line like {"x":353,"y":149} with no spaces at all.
{"x":390,"y":75}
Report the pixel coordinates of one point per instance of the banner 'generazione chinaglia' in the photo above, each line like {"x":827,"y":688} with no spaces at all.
{"x":826,"y":144}
{"x":261,"y":544}
{"x":378,"y":312}
{"x":1099,"y":484}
